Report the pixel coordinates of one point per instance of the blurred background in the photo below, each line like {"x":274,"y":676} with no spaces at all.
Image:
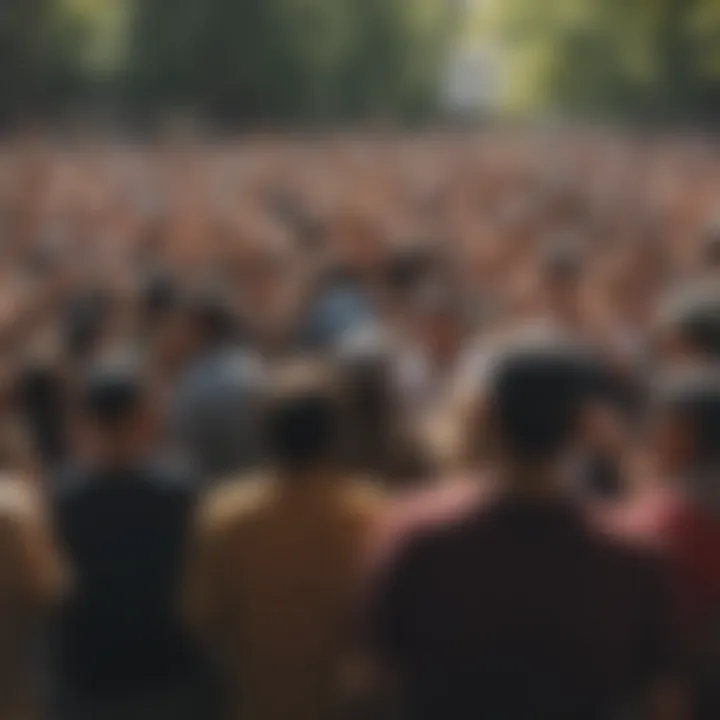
{"x":320,"y":61}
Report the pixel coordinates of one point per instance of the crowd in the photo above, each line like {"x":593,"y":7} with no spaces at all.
{"x":360,"y":426}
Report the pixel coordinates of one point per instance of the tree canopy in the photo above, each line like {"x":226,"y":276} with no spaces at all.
{"x":242,"y":59}
{"x":647,"y":58}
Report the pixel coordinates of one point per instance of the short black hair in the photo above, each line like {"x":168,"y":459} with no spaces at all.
{"x":694,"y":397}
{"x":214,"y":314}
{"x":694,"y":315}
{"x":112,"y":392}
{"x":86,"y":318}
{"x":42,"y":402}
{"x":536,"y":391}
{"x":408,"y":268}
{"x":303,"y":419}
{"x":158,"y":295}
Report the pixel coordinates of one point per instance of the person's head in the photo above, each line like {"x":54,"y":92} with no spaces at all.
{"x":689,"y":326}
{"x":407,"y":270}
{"x":303,"y":419}
{"x":536,"y":393}
{"x":685,"y":423}
{"x":199,"y":321}
{"x":116,"y":419}
{"x":159,"y":296}
{"x":88,"y":318}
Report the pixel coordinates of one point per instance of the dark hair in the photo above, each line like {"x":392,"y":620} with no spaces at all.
{"x":694,"y":314}
{"x":111,"y":393}
{"x":303,"y":418}
{"x":41,"y":397}
{"x":214,"y":314}
{"x":536,"y":392}
{"x":158,"y":295}
{"x":409,"y":268}
{"x":86,"y":319}
{"x":694,"y":397}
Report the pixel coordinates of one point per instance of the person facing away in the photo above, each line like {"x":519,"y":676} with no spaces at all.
{"x":215,"y":407}
{"x":276,"y":567}
{"x":123,"y":521}
{"x":514,"y":605}
{"x":689,"y":326}
{"x":680,"y":514}
{"x":33,"y":580}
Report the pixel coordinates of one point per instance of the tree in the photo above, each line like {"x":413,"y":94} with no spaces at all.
{"x":259,"y":59}
{"x":652,"y":58}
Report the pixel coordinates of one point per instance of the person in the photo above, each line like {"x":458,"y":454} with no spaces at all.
{"x":276,"y":570}
{"x":158,"y":295}
{"x":41,"y":398}
{"x":33,"y":581}
{"x":435,"y":370}
{"x":689,"y":326}
{"x":680,"y":514}
{"x":218,"y":393}
{"x":337,"y":306}
{"x":514,"y":604}
{"x":378,"y":441}
{"x":123,"y":520}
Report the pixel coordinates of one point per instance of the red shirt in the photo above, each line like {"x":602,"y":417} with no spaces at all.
{"x":689,"y":536}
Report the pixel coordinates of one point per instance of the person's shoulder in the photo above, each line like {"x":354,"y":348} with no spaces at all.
{"x":20,"y":502}
{"x":628,"y":541}
{"x":364,"y":496}
{"x":424,"y":518}
{"x":442,"y":504}
{"x":644,"y":519}
{"x":17,"y":495}
{"x":235,"y":502}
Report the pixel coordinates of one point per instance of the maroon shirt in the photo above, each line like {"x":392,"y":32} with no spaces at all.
{"x":504,"y":609}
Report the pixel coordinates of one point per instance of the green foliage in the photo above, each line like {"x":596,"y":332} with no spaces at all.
{"x":649,"y":58}
{"x":237,"y":59}
{"x":287,"y":58}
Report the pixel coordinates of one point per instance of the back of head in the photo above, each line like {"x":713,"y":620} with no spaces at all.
{"x":87,"y":318}
{"x":303,"y":417}
{"x":536,"y":391}
{"x":111,"y":394}
{"x":693,"y":398}
{"x":692,"y":318}
{"x":212,"y":315}
{"x":158,"y":296}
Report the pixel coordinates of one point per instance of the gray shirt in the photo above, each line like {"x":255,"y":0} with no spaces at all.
{"x":216,"y":413}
